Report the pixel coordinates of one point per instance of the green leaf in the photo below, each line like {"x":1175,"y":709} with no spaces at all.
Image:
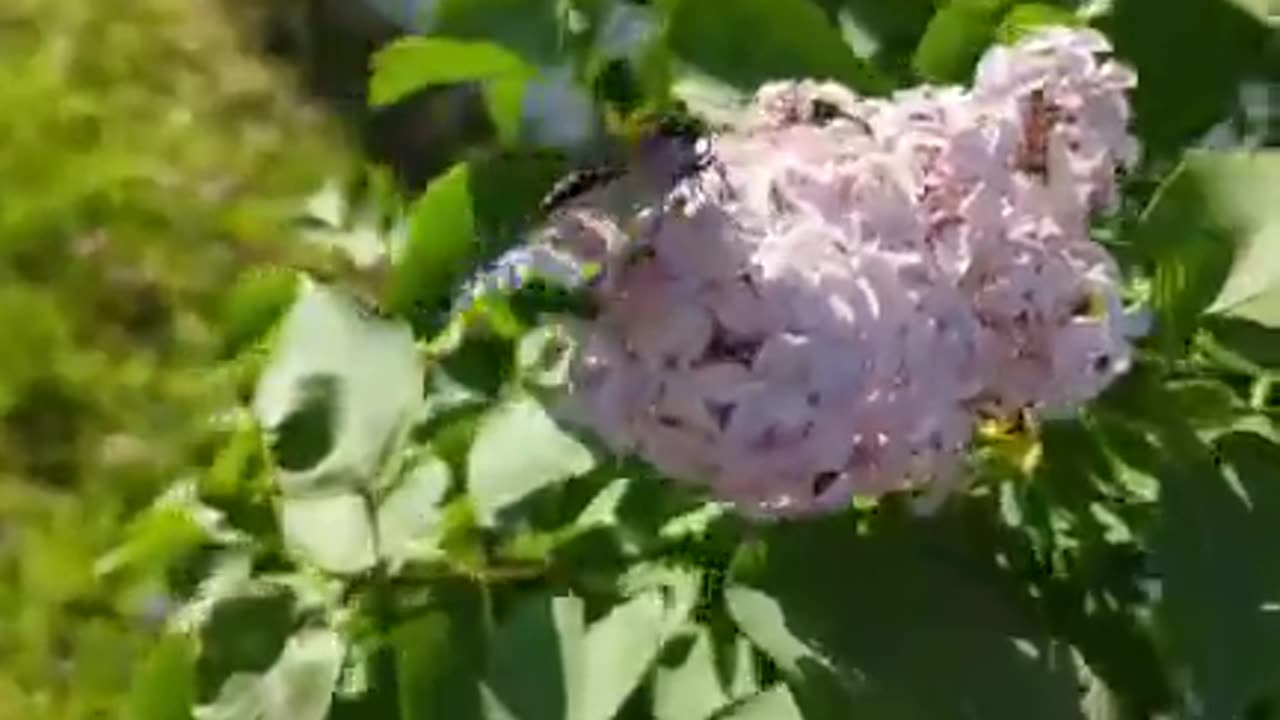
{"x":1190,"y":56}
{"x":544,"y":355}
{"x":887,"y":32}
{"x":788,"y":39}
{"x":242,"y":636}
{"x":441,"y":244}
{"x":1213,"y":230}
{"x":504,"y":97}
{"x":305,"y":436}
{"x":620,"y":648}
{"x":825,"y":691}
{"x":254,"y":305}
{"x":1243,"y":345}
{"x":507,"y":188}
{"x":549,"y":629}
{"x":298,"y":687}
{"x":602,"y":511}
{"x":1215,"y":548}
{"x":331,"y":532}
{"x":924,"y":628}
{"x":1029,"y":17}
{"x":410,"y":513}
{"x":688,"y":687}
{"x":956,"y":38}
{"x":1241,"y":189}
{"x":413,"y":63}
{"x":519,"y":449}
{"x":708,"y":97}
{"x":530,"y":28}
{"x":1262,"y":10}
{"x":337,"y":392}
{"x":155,"y":541}
{"x":776,"y":703}
{"x":164,"y":687}
{"x":440,"y":659}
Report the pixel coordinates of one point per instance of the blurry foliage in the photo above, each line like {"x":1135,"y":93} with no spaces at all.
{"x":145,"y":156}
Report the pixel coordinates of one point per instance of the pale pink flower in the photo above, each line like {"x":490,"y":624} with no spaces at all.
{"x":825,"y":308}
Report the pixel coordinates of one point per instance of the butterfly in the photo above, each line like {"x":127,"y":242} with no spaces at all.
{"x":681,"y":130}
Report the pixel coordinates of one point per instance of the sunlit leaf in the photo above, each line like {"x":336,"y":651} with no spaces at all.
{"x":776,"y":703}
{"x":504,"y":98}
{"x":1213,"y":231}
{"x":165,"y":687}
{"x":519,"y":449}
{"x":956,"y":37}
{"x":689,"y":686}
{"x":441,"y":245}
{"x":1025,"y":18}
{"x":620,"y":648}
{"x":414,"y":63}
{"x":408,"y":514}
{"x":254,"y":305}
{"x":338,"y":390}
{"x":333,"y":532}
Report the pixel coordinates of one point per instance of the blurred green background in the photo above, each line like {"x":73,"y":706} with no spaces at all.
{"x":148,"y":152}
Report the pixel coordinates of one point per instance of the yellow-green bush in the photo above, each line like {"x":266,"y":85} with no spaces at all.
{"x":145,"y":154}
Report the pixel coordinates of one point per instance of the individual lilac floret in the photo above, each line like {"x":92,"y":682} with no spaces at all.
{"x":828,"y":305}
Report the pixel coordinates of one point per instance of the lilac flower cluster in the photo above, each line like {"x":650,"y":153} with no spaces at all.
{"x":826,"y":305}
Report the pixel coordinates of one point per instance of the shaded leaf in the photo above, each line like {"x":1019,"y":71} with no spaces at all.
{"x":1215,"y":547}
{"x":887,"y":32}
{"x":922,"y":629}
{"x":1190,"y":56}
{"x":242,"y":636}
{"x":306,"y":435}
{"x":789,"y":38}
{"x":530,"y":28}
{"x":550,"y":630}
{"x":1253,"y":346}
{"x":439,"y":658}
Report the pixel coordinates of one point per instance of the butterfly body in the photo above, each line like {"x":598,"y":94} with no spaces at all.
{"x":578,"y":183}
